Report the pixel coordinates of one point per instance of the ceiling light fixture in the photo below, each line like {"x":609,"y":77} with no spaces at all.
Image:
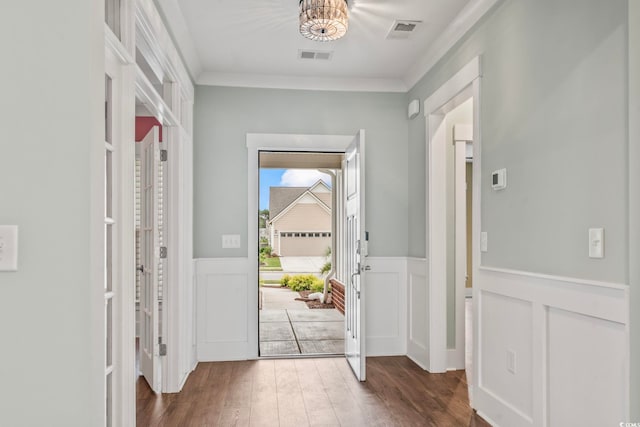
{"x":323,"y":20}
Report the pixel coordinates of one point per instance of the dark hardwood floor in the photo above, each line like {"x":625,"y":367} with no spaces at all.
{"x":311,"y":392}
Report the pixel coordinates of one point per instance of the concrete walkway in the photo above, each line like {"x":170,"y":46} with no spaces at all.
{"x":289,"y":327}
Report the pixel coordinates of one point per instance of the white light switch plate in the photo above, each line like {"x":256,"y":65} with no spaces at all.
{"x":596,"y":243}
{"x":484,"y":241}
{"x":8,"y":247}
{"x":231,"y":241}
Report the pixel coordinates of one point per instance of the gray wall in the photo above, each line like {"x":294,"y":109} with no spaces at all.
{"x":51,"y":111}
{"x":223,"y":117}
{"x":554,"y":96}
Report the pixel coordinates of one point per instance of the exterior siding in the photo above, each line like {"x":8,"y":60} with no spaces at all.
{"x":302,"y":218}
{"x":304,"y":246}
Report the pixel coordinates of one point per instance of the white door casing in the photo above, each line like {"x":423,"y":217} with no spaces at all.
{"x":459,"y":352}
{"x":150,"y":366}
{"x":460,"y":87}
{"x":257,"y":142}
{"x":355,"y":250}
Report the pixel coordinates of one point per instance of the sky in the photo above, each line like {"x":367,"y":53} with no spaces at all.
{"x":287,"y":178}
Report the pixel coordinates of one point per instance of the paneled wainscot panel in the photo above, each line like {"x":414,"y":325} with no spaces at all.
{"x":552,"y":351}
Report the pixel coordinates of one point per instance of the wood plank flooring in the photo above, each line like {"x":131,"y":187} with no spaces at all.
{"x":311,"y":392}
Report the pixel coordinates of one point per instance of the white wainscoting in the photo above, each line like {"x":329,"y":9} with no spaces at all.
{"x":386,"y":307}
{"x":417,"y":316}
{"x":222,"y":317}
{"x":221,"y":309}
{"x":570,"y":344}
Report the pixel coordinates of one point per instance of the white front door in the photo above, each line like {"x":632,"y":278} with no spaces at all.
{"x":150,"y":255}
{"x":355,"y":249}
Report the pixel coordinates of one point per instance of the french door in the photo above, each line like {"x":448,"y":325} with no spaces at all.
{"x":150,"y":366}
{"x":355,"y":250}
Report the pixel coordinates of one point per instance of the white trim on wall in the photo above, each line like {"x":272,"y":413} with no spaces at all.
{"x":569,"y":340}
{"x":222,"y":311}
{"x":417,"y":319}
{"x":223,"y":314}
{"x":466,"y":19}
{"x":634,"y":199}
{"x":462,"y":86}
{"x":386,"y":306}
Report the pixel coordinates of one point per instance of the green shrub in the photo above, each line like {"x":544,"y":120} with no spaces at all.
{"x":326,"y":267}
{"x":317,"y":286}
{"x":284,"y":281}
{"x":266,"y":251}
{"x":305,"y":282}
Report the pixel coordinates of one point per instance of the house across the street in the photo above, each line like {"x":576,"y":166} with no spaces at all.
{"x":300,"y":223}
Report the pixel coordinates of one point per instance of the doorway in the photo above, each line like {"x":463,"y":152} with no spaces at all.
{"x":453,"y":143}
{"x":350,"y":268}
{"x":150,"y":239}
{"x":297,"y":252}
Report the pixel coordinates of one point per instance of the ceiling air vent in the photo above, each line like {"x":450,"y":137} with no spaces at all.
{"x":403,"y":29}
{"x":315,"y":54}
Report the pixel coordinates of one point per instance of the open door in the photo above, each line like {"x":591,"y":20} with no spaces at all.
{"x":150,"y":256}
{"x":355,"y":249}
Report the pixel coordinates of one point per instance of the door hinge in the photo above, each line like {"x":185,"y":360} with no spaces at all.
{"x":164,"y":155}
{"x":163,"y":349}
{"x":163,"y":252}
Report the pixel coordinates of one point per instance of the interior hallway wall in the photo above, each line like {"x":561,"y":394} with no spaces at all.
{"x":554,"y":108}
{"x":553,"y":113}
{"x":224,"y":115}
{"x":53,"y":69}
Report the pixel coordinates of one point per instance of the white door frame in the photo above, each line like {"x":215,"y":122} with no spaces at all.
{"x":463,"y":85}
{"x":257,"y":142}
{"x":457,"y":355}
{"x":117,"y":64}
{"x":634,"y":200}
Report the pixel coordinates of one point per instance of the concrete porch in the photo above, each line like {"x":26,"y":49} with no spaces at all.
{"x":288,"y":327}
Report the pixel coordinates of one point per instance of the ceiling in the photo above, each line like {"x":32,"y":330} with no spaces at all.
{"x":256,"y":43}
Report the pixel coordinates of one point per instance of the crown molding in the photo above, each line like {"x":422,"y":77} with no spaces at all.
{"x":467,"y":18}
{"x":267,"y":81}
{"x":179,"y":30}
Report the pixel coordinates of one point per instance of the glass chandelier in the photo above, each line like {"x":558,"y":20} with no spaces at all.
{"x":323,"y":20}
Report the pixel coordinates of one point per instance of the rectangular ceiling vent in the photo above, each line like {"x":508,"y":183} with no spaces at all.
{"x":315,"y":54}
{"x":402,"y":29}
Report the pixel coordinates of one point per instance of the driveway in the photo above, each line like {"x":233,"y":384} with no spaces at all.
{"x":302,"y":264}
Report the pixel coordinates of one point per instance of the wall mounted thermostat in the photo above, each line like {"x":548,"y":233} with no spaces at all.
{"x":499,"y":179}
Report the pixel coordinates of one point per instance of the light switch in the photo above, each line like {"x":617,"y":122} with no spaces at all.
{"x":596,"y":243}
{"x":484,"y":241}
{"x":231,"y":241}
{"x":8,"y":247}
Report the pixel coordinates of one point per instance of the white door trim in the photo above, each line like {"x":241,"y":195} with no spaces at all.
{"x":457,"y":355}
{"x":124,"y":391}
{"x":463,"y":85}
{"x":257,"y":142}
{"x":634,"y":200}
